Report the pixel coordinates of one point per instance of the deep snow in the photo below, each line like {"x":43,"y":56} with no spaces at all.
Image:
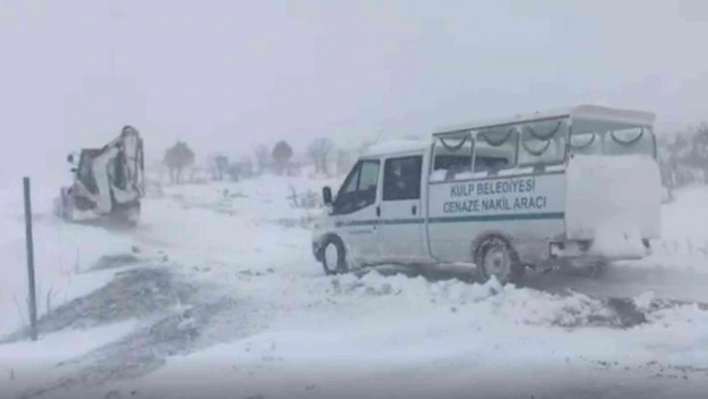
{"x":301,"y":334}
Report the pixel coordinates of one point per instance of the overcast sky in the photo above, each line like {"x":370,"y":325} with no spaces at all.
{"x":228,"y":75}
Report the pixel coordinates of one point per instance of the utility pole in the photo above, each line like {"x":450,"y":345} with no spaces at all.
{"x":30,"y":259}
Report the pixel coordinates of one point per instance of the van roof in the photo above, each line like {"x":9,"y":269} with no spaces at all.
{"x":583,"y":111}
{"x":396,"y":146}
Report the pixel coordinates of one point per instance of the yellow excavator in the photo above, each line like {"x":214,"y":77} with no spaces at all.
{"x":109,"y":182}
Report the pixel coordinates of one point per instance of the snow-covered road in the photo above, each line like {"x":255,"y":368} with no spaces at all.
{"x":301,"y":334}
{"x":678,"y":269}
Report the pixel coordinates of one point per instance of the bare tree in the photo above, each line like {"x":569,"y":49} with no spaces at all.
{"x":246,"y":166}
{"x":222,"y":166}
{"x":234,"y":171}
{"x":683,"y":157}
{"x":177,"y":158}
{"x":319,"y":150}
{"x":700,"y":149}
{"x":282,"y":152}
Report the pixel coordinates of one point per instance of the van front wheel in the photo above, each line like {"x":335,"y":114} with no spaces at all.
{"x":333,"y":257}
{"x":494,"y":256}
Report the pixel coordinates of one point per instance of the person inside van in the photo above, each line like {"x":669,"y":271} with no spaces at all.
{"x":394,"y":180}
{"x":402,"y":179}
{"x":489,"y":164}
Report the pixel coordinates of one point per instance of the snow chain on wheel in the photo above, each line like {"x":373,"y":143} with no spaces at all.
{"x":494,"y":256}
{"x":333,"y":256}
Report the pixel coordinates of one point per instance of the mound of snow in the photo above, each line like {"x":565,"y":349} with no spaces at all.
{"x":506,"y":303}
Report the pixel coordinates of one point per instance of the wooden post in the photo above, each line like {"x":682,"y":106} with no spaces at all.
{"x":30,"y":260}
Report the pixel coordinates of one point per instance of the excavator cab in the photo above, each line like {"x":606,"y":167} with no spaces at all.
{"x":84,"y":172}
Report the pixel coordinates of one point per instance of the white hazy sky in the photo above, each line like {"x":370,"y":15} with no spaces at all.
{"x":228,"y":74}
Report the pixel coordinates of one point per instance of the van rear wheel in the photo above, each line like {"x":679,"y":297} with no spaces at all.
{"x":496,"y":257}
{"x":333,"y":257}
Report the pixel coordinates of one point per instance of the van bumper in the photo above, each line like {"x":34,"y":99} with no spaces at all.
{"x":585,"y":249}
{"x":317,"y":250}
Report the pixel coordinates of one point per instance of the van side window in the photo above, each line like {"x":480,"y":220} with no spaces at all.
{"x":543,"y":143}
{"x":402,"y":178}
{"x":495,"y":149}
{"x":452,"y":157}
{"x":359,"y":188}
{"x":629,"y":141}
{"x":587,"y":143}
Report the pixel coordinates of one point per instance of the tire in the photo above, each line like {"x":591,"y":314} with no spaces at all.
{"x":494,"y":256}
{"x":334,"y":257}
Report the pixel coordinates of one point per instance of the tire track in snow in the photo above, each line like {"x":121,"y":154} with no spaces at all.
{"x":627,"y":281}
{"x":181,"y":317}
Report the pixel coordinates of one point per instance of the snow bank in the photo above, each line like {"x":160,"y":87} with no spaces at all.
{"x":409,"y":336}
{"x":513,"y":305}
{"x":62,"y":252}
{"x":682,"y":250}
{"x":24,"y":365}
{"x":268,"y":198}
{"x":42,"y":196}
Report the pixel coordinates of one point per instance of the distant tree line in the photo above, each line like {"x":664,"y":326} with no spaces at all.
{"x":180,"y":157}
{"x":222,"y":167}
{"x":683,"y":157}
{"x":177,"y":158}
{"x":278,"y":159}
{"x":319,"y":151}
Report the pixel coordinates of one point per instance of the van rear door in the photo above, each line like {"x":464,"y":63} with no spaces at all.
{"x":621,"y":192}
{"x":614,"y":191}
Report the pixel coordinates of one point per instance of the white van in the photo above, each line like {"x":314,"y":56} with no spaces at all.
{"x":570,"y":186}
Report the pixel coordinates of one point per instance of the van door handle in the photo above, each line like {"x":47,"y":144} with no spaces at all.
{"x":414,"y":209}
{"x":378,"y":211}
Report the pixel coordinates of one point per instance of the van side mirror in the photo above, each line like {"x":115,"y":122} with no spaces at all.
{"x":74,"y":170}
{"x":327,"y":195}
{"x":70,"y":158}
